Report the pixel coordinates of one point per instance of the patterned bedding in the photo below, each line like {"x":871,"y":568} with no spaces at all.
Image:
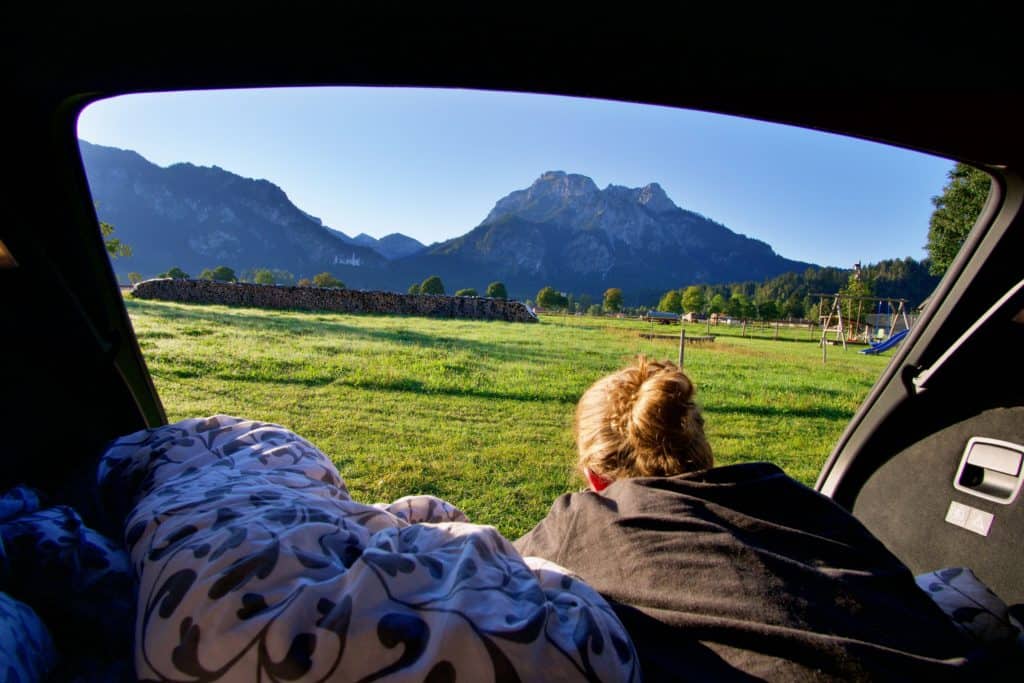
{"x":255,"y":564}
{"x":67,"y":595}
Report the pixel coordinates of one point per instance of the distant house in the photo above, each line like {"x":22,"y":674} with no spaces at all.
{"x":691,"y":317}
{"x":661,"y":317}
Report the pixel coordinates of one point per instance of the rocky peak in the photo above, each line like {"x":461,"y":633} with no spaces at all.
{"x":574,"y":201}
{"x":655,"y":199}
{"x":563,"y":185}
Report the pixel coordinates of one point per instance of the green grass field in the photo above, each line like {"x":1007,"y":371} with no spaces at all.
{"x":480,"y":413}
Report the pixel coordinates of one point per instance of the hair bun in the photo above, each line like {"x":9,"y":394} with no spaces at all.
{"x":641,"y":421}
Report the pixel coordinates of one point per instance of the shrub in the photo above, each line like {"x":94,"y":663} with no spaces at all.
{"x":613,"y":300}
{"x":219,"y":274}
{"x":432,"y":285}
{"x":176,"y":274}
{"x":327,"y":280}
{"x":552,"y":300}
{"x":496,"y":290}
{"x":263,"y":277}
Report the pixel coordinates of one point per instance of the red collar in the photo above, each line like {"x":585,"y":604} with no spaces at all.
{"x":596,"y":481}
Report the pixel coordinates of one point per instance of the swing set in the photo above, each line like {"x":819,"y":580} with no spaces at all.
{"x":878,"y":327}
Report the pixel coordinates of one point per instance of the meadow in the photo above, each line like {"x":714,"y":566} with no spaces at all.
{"x":480,"y":413}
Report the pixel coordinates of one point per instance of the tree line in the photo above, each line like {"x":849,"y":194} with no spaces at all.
{"x":434,"y":285}
{"x":793,"y":295}
{"x":787,"y":296}
{"x":551,"y":299}
{"x":259,"y":276}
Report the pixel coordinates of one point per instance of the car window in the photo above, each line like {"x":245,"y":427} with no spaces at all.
{"x":505,"y":251}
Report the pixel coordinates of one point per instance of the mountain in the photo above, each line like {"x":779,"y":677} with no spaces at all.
{"x":565,"y":232}
{"x":561,"y":231}
{"x":196,"y":217}
{"x":393,"y":246}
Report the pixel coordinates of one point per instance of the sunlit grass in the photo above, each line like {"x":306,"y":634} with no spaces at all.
{"x":480,"y":413}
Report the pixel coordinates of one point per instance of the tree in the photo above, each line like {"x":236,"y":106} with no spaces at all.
{"x":414,"y":288}
{"x":468,"y":291}
{"x":718,"y":304}
{"x":768,"y":310}
{"x":268,"y":276}
{"x":219,"y":274}
{"x":693,"y":299}
{"x":304,"y":282}
{"x":792,"y":308}
{"x":671,"y":302}
{"x":327,"y":280}
{"x":134,"y":278}
{"x":956,"y":210}
{"x":176,"y":273}
{"x":263,"y":276}
{"x":496,"y":290}
{"x":550,"y":299}
{"x":432,"y":285}
{"x":115,"y":247}
{"x":594,"y":310}
{"x":738,"y":306}
{"x":749,"y":309}
{"x":852,"y":308}
{"x":612,"y":300}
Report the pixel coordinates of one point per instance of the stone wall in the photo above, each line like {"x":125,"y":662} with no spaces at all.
{"x":339,"y":300}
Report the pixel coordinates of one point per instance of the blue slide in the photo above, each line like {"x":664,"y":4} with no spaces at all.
{"x":887,"y":344}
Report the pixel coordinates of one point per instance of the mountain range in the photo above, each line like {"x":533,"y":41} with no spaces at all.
{"x":563,"y":231}
{"x":393,"y":246}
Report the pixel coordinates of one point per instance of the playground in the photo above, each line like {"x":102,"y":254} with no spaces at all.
{"x":879,"y":323}
{"x":876,"y":323}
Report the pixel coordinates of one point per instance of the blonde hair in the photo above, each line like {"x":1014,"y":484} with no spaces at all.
{"x":641,"y":422}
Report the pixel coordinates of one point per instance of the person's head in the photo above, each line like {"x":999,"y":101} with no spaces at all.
{"x":640,"y":422}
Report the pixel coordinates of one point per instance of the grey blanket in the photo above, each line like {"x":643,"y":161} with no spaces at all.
{"x":740,"y":572}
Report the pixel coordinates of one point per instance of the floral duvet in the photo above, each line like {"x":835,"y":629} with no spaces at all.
{"x":255,"y":564}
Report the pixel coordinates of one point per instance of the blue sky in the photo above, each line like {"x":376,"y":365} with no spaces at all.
{"x":432,"y":163}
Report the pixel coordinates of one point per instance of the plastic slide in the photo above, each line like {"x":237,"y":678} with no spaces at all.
{"x":887,"y":344}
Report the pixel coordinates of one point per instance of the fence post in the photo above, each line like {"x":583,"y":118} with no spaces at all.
{"x":682,"y":342}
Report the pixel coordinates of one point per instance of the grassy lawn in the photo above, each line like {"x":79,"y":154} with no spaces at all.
{"x":480,"y":413}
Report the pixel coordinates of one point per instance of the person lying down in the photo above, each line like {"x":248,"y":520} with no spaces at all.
{"x":254,"y":563}
{"x":723,"y":573}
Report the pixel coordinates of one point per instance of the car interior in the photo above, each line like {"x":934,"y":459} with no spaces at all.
{"x":933,"y":461}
